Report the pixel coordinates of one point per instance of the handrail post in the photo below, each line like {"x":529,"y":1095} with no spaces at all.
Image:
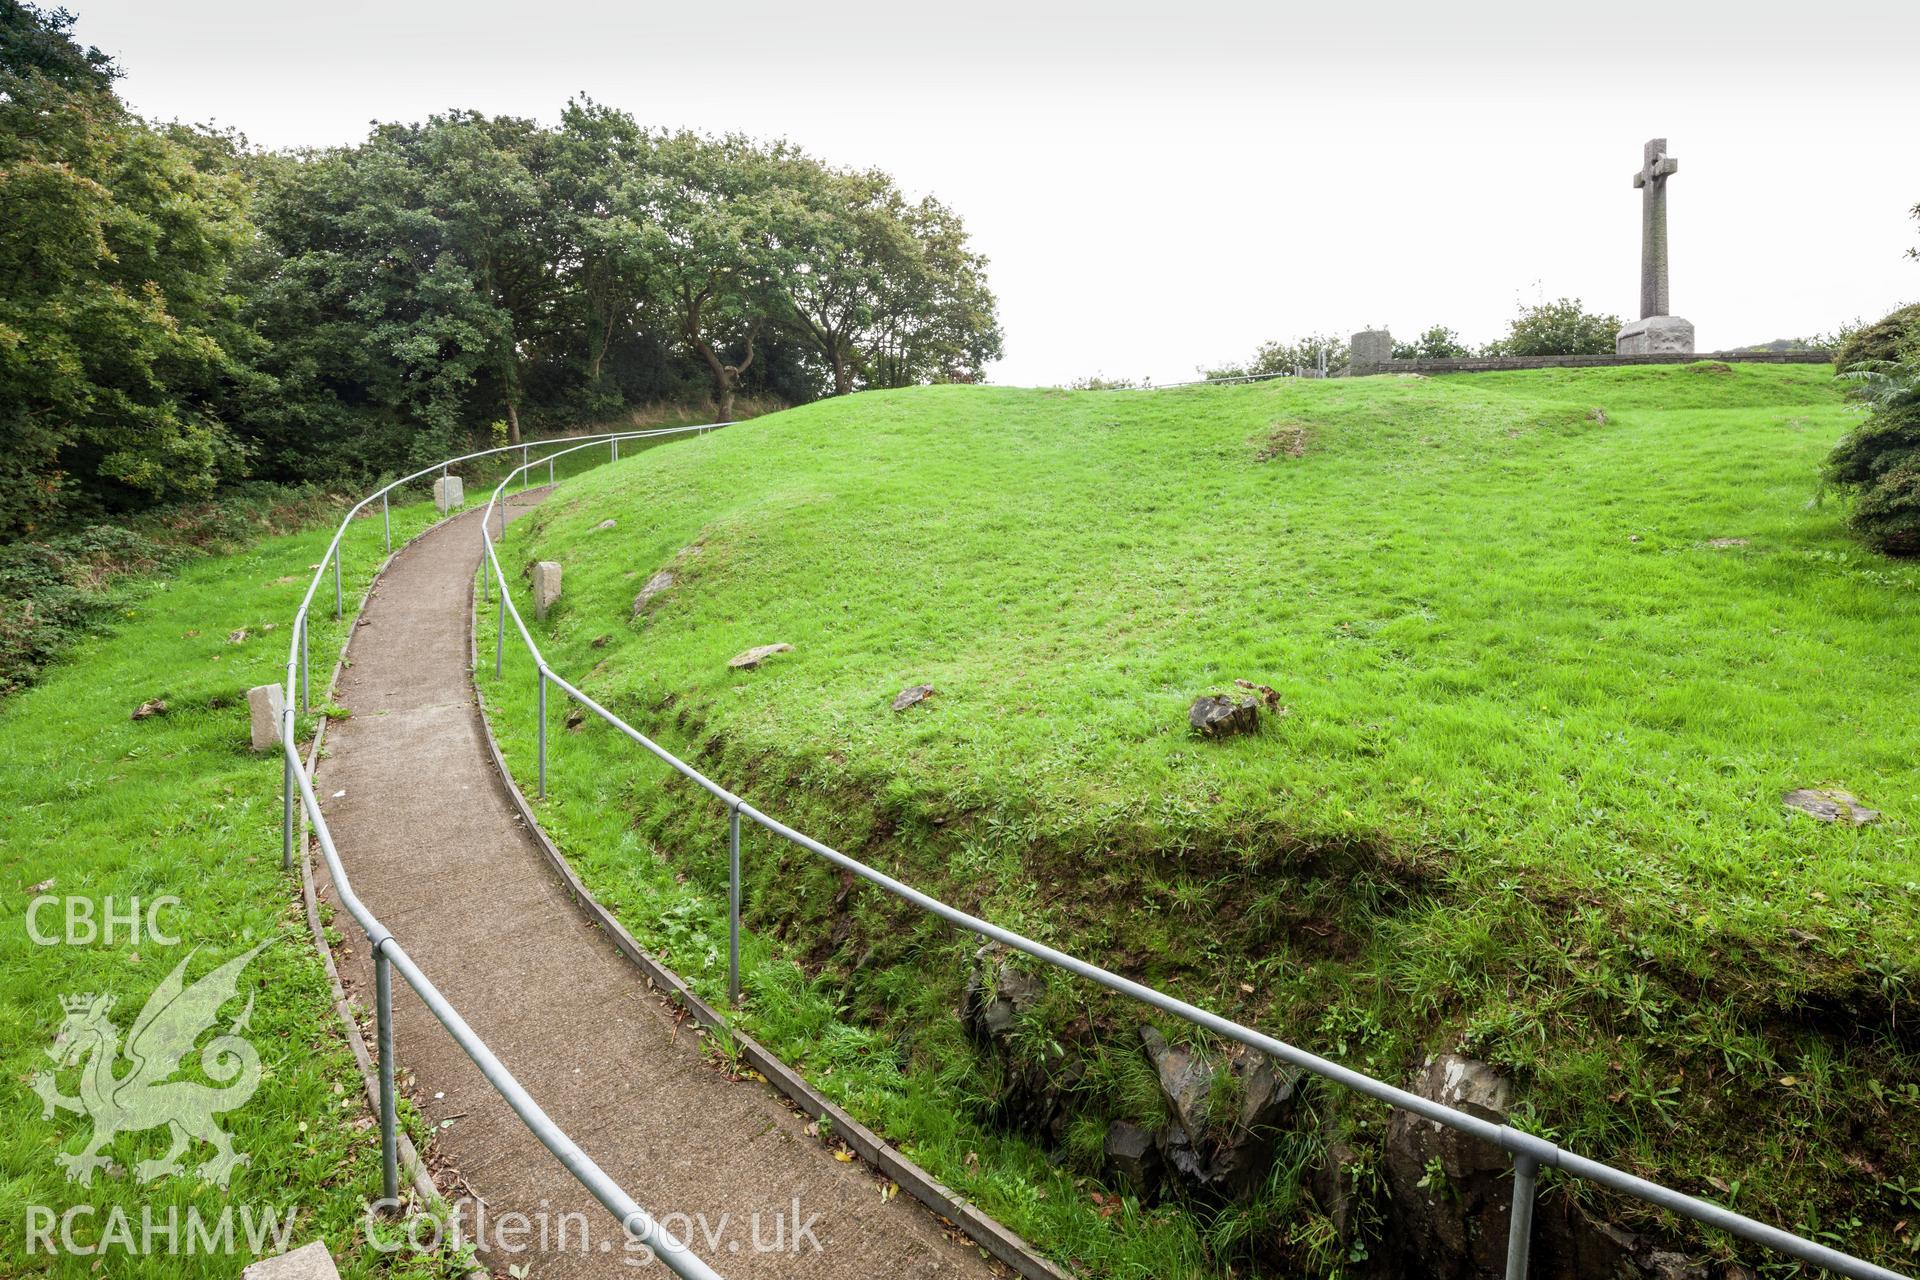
{"x":550,"y":458}
{"x":500,"y":641}
{"x":523,"y":468}
{"x":733,"y":905}
{"x":541,"y":672}
{"x":306,"y":690}
{"x":337,"y":611}
{"x":286,"y":788}
{"x":386,"y":522}
{"x":389,"y":1126}
{"x":615,"y":442}
{"x":1520,"y":1224}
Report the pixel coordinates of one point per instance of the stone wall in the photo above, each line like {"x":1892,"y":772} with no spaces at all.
{"x":1490,"y":364}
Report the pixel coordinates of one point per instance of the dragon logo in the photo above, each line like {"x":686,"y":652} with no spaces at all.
{"x":138,"y":1092}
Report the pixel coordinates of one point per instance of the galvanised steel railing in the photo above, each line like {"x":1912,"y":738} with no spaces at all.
{"x":386,"y":950}
{"x":1530,"y":1152}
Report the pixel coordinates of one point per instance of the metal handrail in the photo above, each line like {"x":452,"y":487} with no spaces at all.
{"x":1530,"y":1152}
{"x":386,"y":950}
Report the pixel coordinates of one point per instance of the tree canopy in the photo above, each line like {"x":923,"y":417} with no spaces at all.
{"x":178,"y":310}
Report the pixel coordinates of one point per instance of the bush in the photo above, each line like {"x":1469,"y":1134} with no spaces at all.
{"x":1437,"y":343}
{"x":1880,"y":462}
{"x":55,"y":590}
{"x":1559,"y":328}
{"x":1894,"y":338}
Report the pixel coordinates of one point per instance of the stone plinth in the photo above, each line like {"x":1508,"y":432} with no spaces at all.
{"x":448,"y":493}
{"x":546,"y":587}
{"x":266,"y":703}
{"x":1368,"y":352}
{"x":1655,"y":335}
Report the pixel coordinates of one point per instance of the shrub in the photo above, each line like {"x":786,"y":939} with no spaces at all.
{"x":1559,"y":328}
{"x":1437,"y":343}
{"x":1880,"y":462}
{"x":1893,"y":338}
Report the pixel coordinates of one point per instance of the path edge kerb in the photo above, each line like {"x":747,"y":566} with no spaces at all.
{"x":984,"y":1231}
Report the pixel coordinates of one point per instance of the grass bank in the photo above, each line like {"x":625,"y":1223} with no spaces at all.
{"x":107,"y":809}
{"x":1551,"y":646}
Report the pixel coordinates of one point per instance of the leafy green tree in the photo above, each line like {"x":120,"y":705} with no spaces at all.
{"x":1437,"y":343}
{"x":709,"y":206}
{"x":840,"y":248}
{"x":607,"y":242}
{"x":372,"y":330}
{"x":115,"y":319}
{"x":1559,"y":328}
{"x":936,"y":320}
{"x":1275,"y":358}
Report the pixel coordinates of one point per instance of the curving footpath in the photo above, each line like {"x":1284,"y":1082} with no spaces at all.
{"x":433,"y":845}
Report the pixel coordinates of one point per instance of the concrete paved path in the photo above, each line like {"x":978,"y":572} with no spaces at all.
{"x":435,"y":848}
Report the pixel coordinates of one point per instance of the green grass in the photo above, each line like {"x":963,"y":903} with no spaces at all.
{"x":1525,"y":799}
{"x":103,"y":806}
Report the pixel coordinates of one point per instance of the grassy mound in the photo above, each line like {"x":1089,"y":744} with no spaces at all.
{"x":1551,"y":646}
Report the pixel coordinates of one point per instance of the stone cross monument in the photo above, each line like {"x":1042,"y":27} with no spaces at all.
{"x":1655,"y":330}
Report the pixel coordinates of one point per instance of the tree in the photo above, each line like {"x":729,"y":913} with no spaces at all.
{"x":485,"y":180}
{"x":839,"y":247}
{"x":115,"y":320}
{"x":708,"y":204}
{"x":1437,"y":343}
{"x":936,"y":321}
{"x":1559,"y":328}
{"x":1276,"y":358}
{"x":372,"y":331}
{"x":606,"y":243}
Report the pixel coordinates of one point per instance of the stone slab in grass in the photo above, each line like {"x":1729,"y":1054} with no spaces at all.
{"x":308,"y":1262}
{"x":755,"y":656}
{"x":546,"y":587}
{"x":266,"y":703}
{"x":1830,"y":805}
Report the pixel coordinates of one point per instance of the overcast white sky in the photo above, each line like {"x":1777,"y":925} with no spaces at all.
{"x":1162,"y":185}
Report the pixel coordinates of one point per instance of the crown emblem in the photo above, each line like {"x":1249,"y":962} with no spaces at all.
{"x":83,"y":1002}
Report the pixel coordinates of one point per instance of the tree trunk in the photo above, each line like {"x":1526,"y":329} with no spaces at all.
{"x":842,"y":371}
{"x":513,"y":423}
{"x":725,"y":397}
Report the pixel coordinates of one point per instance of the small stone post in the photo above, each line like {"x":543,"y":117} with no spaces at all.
{"x":448,"y":493}
{"x":266,"y":703}
{"x":1369,"y":352}
{"x":546,"y":587}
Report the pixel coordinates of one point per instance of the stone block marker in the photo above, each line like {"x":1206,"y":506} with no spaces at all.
{"x":266,"y":703}
{"x":1369,"y":351}
{"x":308,"y":1262}
{"x":546,"y":587}
{"x":448,"y":493}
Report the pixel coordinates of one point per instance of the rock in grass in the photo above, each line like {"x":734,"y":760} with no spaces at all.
{"x":151,"y":707}
{"x":755,"y":656}
{"x":655,"y":585}
{"x":1223,"y":1146}
{"x":1216,"y":716}
{"x":546,"y":587}
{"x":1830,"y":805}
{"x":1133,"y":1159}
{"x":907,"y":697}
{"x":604,"y":524}
{"x":1445,"y":1185}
